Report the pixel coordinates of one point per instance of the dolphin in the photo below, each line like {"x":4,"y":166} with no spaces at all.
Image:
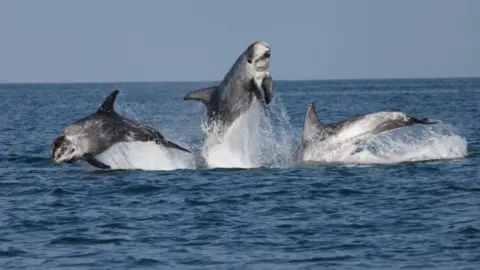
{"x":233,"y":96}
{"x":353,"y":130}
{"x":87,"y":137}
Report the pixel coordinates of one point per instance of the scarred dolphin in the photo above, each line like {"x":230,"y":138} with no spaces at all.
{"x":235,"y":93}
{"x":351,"y":130}
{"x":85,"y":138}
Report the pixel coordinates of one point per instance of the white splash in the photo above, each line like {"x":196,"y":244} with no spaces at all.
{"x":416,"y":143}
{"x":256,"y":140}
{"x":249,"y":142}
{"x":145,"y":156}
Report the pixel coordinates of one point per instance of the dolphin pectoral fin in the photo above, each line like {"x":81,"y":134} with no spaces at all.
{"x":159,"y":139}
{"x":267,"y":86}
{"x":204,"y":94}
{"x":171,"y":145}
{"x":95,"y":162}
{"x":399,"y":124}
{"x":424,"y":121}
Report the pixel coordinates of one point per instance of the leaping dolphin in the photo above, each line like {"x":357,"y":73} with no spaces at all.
{"x":85,"y":138}
{"x":353,"y":130}
{"x":234,"y":95}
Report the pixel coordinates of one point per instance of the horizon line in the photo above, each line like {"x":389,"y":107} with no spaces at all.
{"x":209,"y":81}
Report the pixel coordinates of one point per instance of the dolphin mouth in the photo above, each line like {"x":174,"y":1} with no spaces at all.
{"x":56,"y":143}
{"x":57,"y":162}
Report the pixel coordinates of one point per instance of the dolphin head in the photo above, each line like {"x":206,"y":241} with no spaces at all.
{"x":258,"y":56}
{"x":64,"y":150}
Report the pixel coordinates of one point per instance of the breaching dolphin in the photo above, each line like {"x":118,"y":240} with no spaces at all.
{"x":233,"y":96}
{"x":85,"y":138}
{"x":351,"y":130}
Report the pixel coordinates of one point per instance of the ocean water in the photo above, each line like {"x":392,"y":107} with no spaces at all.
{"x":410,"y":199}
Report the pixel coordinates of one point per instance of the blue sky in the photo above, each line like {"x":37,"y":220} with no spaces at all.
{"x":192,"y":40}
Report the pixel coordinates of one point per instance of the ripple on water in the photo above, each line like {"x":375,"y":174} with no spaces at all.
{"x":145,"y":262}
{"x":11,"y":252}
{"x":470,"y":231}
{"x":59,"y":192}
{"x":348,"y":192}
{"x":116,"y":225}
{"x":78,"y":240}
{"x":27,"y":159}
{"x":142,"y":189}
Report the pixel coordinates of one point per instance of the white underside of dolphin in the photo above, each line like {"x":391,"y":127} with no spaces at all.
{"x":344,"y":136}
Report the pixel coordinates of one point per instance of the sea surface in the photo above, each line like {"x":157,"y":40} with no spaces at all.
{"x":410,"y":200}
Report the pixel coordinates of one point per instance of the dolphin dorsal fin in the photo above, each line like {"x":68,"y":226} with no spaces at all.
{"x":204,"y":94}
{"x":311,"y":125}
{"x":108,"y":104}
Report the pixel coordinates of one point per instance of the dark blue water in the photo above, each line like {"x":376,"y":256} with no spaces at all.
{"x":402,"y":215}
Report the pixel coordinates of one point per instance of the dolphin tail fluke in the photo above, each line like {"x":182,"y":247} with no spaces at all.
{"x":173,"y":145}
{"x":204,"y":94}
{"x":311,"y":125}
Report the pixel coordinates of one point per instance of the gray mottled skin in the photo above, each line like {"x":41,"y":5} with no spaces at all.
{"x":234,"y":95}
{"x":314,"y":131}
{"x":94,"y":134}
